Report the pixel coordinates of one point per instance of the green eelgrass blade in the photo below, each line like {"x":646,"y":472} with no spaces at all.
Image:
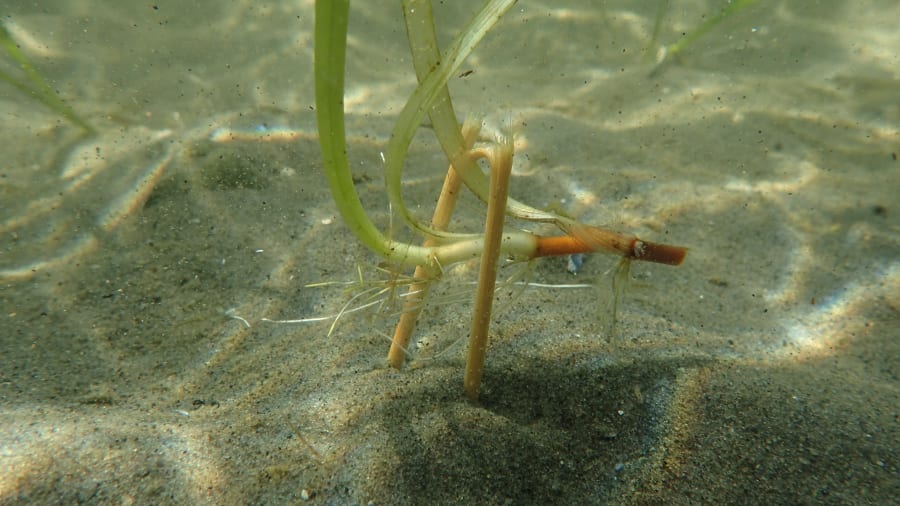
{"x":426,"y":55}
{"x":709,"y":24}
{"x":330,"y":56}
{"x":39,"y":89}
{"x":434,"y":73}
{"x":431,"y":86}
{"x":661,"y":10}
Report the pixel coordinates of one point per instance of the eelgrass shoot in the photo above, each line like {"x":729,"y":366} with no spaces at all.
{"x":442,"y":247}
{"x":675,"y":50}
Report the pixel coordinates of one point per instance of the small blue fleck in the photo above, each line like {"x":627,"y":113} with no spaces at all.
{"x":575,"y":263}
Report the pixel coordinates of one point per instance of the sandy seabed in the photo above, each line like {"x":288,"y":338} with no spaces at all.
{"x":138,"y":266}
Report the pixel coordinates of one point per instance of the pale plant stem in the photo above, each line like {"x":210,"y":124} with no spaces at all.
{"x":418,"y":291}
{"x":500,"y":159}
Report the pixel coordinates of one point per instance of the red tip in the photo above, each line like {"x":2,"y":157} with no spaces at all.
{"x":658,"y":253}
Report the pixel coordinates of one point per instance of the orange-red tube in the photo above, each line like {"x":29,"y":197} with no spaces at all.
{"x":588,"y":239}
